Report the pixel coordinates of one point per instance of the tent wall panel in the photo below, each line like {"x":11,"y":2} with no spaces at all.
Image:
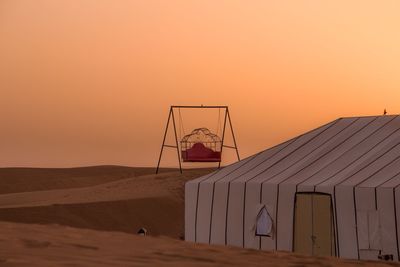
{"x":235,"y":215}
{"x":369,"y":254}
{"x":305,"y":188}
{"x":330,"y":190}
{"x":386,"y":207}
{"x":368,"y":227}
{"x":204,"y":212}
{"x":365,"y":198}
{"x":206,"y":197}
{"x":235,"y":203}
{"x":362,"y":230}
{"x":220,"y":197}
{"x":219,"y":213}
{"x":222,"y":214}
{"x":253,"y":191}
{"x":285,"y":213}
{"x":190,"y":210}
{"x":346,"y":222}
{"x":374,"y":229}
{"x":393,"y":185}
{"x":397,"y":209}
{"x":191,"y":201}
{"x":269,"y":197}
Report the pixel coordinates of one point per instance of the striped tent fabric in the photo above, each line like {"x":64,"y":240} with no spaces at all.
{"x":331,"y":191}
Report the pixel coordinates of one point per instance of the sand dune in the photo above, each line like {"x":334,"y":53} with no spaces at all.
{"x":125,"y":188}
{"x":90,"y":216}
{"x":15,"y":180}
{"x":123,"y":204}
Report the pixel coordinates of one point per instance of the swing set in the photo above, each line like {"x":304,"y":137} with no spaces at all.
{"x":201,"y":145}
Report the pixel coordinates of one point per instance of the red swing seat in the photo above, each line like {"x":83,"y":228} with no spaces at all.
{"x":199,"y":153}
{"x":201,"y":146}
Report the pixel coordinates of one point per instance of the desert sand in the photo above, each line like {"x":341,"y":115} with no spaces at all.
{"x":90,"y":216}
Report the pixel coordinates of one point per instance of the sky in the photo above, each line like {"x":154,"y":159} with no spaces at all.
{"x":90,"y":82}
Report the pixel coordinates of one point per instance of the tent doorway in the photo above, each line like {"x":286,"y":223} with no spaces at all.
{"x":313,"y":225}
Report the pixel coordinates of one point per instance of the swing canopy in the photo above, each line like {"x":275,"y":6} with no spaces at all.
{"x":201,"y":146}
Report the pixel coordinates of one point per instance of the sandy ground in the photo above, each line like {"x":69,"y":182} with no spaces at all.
{"x":53,"y":245}
{"x":89,"y":217}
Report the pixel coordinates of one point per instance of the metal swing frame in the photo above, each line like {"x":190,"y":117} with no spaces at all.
{"x":227,"y":119}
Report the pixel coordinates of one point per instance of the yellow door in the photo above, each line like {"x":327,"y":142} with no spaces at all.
{"x":303,"y":224}
{"x":313,"y":228}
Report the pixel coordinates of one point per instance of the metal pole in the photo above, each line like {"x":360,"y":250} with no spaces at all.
{"x":199,"y":107}
{"x":176,"y":140}
{"x":165,"y":135}
{"x":233,"y":134}
{"x":223,"y":136}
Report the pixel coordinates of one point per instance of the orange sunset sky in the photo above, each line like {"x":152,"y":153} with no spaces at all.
{"x":90,"y":82}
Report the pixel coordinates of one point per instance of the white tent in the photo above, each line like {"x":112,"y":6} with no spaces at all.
{"x":331,"y":191}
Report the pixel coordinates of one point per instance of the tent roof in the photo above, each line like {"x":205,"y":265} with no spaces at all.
{"x":354,"y":151}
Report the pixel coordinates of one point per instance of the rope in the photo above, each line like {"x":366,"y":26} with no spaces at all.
{"x":219,"y":121}
{"x":181,"y":128}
